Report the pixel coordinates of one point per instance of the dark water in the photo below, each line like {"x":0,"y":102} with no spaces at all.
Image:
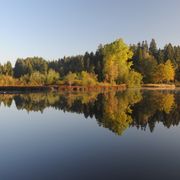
{"x":125,"y":135}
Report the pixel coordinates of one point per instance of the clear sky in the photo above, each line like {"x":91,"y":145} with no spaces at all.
{"x":57,"y":28}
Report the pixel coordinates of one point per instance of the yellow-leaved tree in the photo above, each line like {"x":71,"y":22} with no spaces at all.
{"x":116,"y":64}
{"x":164,"y":73}
{"x":169,"y":71}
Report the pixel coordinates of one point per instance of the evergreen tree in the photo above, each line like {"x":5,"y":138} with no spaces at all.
{"x":153,"y":48}
{"x":169,"y":53}
{"x":160,"y":56}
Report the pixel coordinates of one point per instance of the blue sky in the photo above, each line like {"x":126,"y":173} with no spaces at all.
{"x":57,"y":28}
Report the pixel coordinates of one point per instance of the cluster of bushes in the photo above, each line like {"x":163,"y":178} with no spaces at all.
{"x":164,"y":73}
{"x":50,"y":78}
{"x":6,"y":80}
{"x":82,"y":79}
{"x":36,"y":78}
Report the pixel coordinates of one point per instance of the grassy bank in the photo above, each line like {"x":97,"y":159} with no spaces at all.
{"x":100,"y":87}
{"x":4,"y":89}
{"x":158,"y":86}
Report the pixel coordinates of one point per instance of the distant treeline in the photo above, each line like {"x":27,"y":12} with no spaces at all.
{"x":111,"y":63}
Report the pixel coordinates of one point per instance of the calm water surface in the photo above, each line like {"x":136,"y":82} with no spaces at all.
{"x":126,"y":135}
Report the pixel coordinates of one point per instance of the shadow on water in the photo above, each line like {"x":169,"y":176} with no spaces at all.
{"x":116,"y":111}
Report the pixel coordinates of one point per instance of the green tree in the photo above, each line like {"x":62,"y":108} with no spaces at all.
{"x":52,"y":77}
{"x":37,"y":78}
{"x":116,"y":64}
{"x":70,"y":78}
{"x":169,"y":53}
{"x":164,"y":73}
{"x":169,"y":71}
{"x":134,"y":79}
{"x":160,"y":56}
{"x":159,"y":74}
{"x":147,"y":68}
{"x":30,"y":65}
{"x":88,"y":79}
{"x":153,"y":48}
{"x":8,"y":69}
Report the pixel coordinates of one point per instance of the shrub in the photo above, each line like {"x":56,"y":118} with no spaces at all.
{"x":52,"y":77}
{"x":70,"y":79}
{"x":8,"y":81}
{"x":88,"y":79}
{"x":134,"y":79}
{"x":81,"y":79}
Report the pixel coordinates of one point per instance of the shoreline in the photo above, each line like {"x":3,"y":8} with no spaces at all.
{"x":158,"y":86}
{"x":100,"y":88}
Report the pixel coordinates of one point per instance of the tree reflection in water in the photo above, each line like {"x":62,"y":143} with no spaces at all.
{"x":113,"y":110}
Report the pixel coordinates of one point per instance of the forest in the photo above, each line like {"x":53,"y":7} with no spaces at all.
{"x":113,"y":63}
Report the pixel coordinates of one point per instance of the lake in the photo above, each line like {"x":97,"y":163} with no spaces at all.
{"x":131,"y":134}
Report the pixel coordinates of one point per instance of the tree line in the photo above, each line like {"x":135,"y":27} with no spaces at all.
{"x":112,"y":63}
{"x":155,"y":64}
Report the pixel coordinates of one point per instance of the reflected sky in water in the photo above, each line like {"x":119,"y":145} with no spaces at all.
{"x":92,"y":136}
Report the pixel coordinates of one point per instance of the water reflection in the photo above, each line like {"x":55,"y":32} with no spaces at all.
{"x":116,"y":111}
